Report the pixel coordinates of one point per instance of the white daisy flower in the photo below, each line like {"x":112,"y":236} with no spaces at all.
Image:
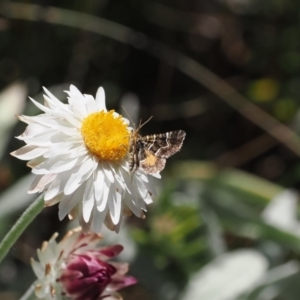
{"x":77,"y":269}
{"x":79,"y":152}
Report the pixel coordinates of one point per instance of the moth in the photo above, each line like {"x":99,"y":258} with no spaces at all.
{"x":149,"y":153}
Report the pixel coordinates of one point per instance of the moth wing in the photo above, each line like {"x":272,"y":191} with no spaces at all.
{"x":152,"y":164}
{"x":166,"y":144}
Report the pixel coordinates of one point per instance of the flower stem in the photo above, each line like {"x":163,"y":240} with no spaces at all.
{"x":29,"y":294}
{"x":26,"y":218}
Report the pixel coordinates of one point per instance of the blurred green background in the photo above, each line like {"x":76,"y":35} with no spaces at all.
{"x":225,"y":225}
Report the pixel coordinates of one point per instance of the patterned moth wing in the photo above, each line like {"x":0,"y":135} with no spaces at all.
{"x":149,"y":153}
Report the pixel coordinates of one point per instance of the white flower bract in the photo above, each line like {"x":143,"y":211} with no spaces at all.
{"x":88,"y":179}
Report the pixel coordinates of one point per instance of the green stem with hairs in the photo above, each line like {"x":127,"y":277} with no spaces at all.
{"x":26,"y":218}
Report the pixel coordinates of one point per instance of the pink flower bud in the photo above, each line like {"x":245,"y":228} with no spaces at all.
{"x":76,"y":268}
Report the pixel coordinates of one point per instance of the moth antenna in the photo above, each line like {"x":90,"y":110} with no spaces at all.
{"x":128,"y":115}
{"x":142,"y":124}
{"x":124,"y":147}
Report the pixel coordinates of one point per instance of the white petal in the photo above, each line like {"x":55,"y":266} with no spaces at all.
{"x":142,"y":175}
{"x":142,"y":190}
{"x":120,"y":179}
{"x":50,"y":103}
{"x":67,"y":115}
{"x":142,"y":204}
{"x":69,"y":201}
{"x":35,"y":162}
{"x":124,"y":166}
{"x":54,"y":200}
{"x":72,"y":120}
{"x":56,"y":164}
{"x":52,"y":122}
{"x":133,"y":205}
{"x":74,"y":92}
{"x":45,"y":254}
{"x":79,"y":109}
{"x":40,"y":182}
{"x":29,"y":152}
{"x":136,"y":199}
{"x":63,"y":109}
{"x":98,"y":219}
{"x":77,"y":101}
{"x":57,"y":185}
{"x":115,"y":205}
{"x":53,"y":100}
{"x":98,"y":184}
{"x":156,"y":175}
{"x":148,"y":199}
{"x":127,"y":122}
{"x":101,"y":205}
{"x":59,"y":149}
{"x":85,"y":226}
{"x":127,"y":179}
{"x":91,"y":105}
{"x":40,"y":106}
{"x":100,"y":99}
{"x":108,"y":171}
{"x":44,"y":139}
{"x":132,"y":198}
{"x":37,"y":269}
{"x":74,"y":139}
{"x":42,"y":290}
{"x":88,"y":200}
{"x":79,"y":175}
{"x":32,"y":129}
{"x":79,"y":151}
{"x":151,"y":186}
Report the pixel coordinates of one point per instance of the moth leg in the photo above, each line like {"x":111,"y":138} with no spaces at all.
{"x":134,"y":163}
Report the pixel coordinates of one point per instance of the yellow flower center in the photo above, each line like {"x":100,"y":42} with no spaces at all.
{"x":106,"y":135}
